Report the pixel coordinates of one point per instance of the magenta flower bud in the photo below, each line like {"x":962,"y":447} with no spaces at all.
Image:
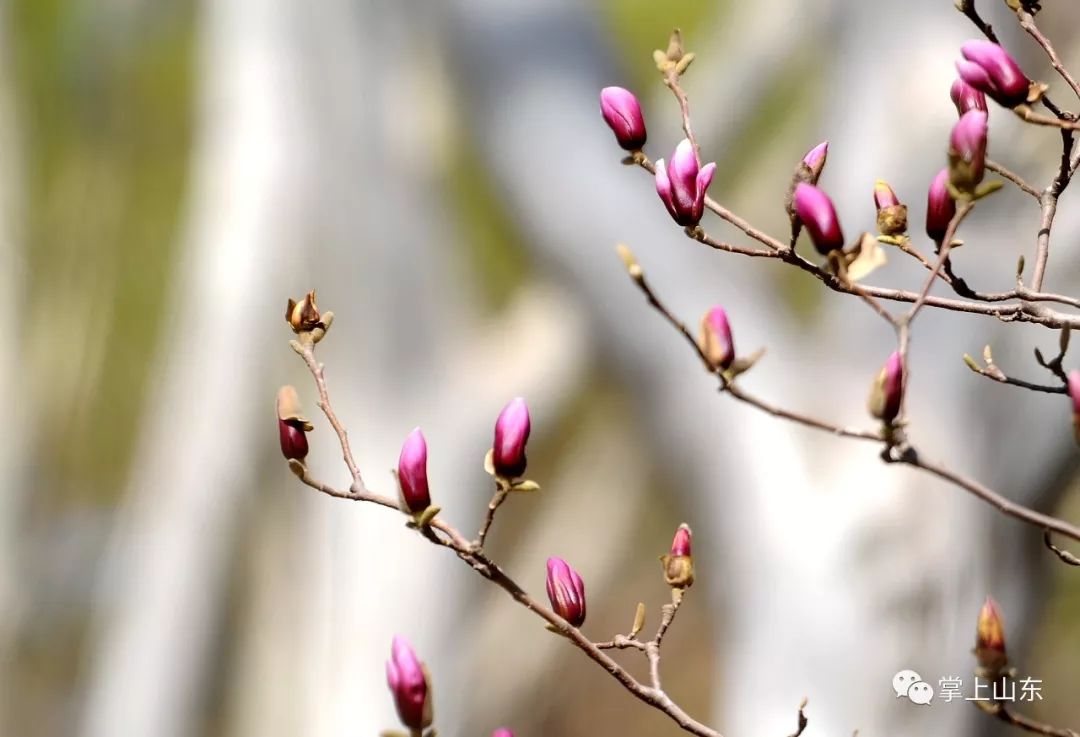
{"x":1074,"y":395}
{"x":502,"y":732}
{"x":988,"y":68}
{"x":816,"y":212}
{"x":409,"y":683}
{"x":967,"y":151}
{"x":884,"y":195}
{"x":891,"y":213}
{"x":940,"y":207}
{"x":887,"y":392}
{"x":815,"y":161}
{"x":412,"y":473}
{"x":566,"y":591}
{"x":966,"y":97}
{"x":622,"y":113}
{"x":511,"y":433}
{"x":681,"y":184}
{"x":678,"y":565}
{"x":680,"y":544}
{"x":715,"y":338}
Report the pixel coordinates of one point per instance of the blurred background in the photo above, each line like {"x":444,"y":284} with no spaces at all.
{"x":171,"y":172}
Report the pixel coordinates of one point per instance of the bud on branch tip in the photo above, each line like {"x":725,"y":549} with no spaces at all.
{"x":887,"y":391}
{"x":566,"y":591}
{"x":681,"y":184}
{"x":940,"y":207}
{"x":409,"y":684}
{"x":622,"y":113}
{"x":988,"y":68}
{"x":967,"y":151}
{"x":679,"y":563}
{"x":511,"y":433}
{"x":818,"y":215}
{"x":990,"y":639}
{"x":412,"y":473}
{"x":715,"y":339}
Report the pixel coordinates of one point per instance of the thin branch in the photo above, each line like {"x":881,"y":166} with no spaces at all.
{"x":497,"y":499}
{"x":1013,"y":177}
{"x":1000,"y":711}
{"x":1027,"y":22}
{"x":1065,"y":555}
{"x":307,"y":352}
{"x":967,"y":7}
{"x":946,"y":245}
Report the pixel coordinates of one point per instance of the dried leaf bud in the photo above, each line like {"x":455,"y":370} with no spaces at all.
{"x":816,"y":212}
{"x":622,"y":113}
{"x":681,"y":184}
{"x":887,"y":391}
{"x":1074,"y":395}
{"x":511,"y":433}
{"x":988,"y":68}
{"x":410,"y":685}
{"x":891,"y":213}
{"x":566,"y":591}
{"x":715,"y":338}
{"x":940,"y":207}
{"x":967,"y":151}
{"x":990,"y":638}
{"x":678,"y":565}
{"x":303,"y":316}
{"x":412,"y":473}
{"x":292,"y":425}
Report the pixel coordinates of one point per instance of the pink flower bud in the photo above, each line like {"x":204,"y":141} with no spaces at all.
{"x":502,"y":732}
{"x":292,"y":425}
{"x":1074,"y":395}
{"x":816,"y":212}
{"x":966,"y":97}
{"x":715,"y":338}
{"x":891,"y":213}
{"x":566,"y":591}
{"x":681,"y":184}
{"x":679,"y":563}
{"x":988,"y":68}
{"x":412,"y":473}
{"x":887,"y":391}
{"x":815,"y":161}
{"x":967,"y":151}
{"x":409,"y":683}
{"x":884,"y":195}
{"x":940,"y":207}
{"x":622,"y":113}
{"x":511,"y":433}
{"x":680,"y":544}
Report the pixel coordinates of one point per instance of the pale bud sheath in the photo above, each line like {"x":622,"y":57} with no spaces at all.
{"x":566,"y":591}
{"x":681,"y":184}
{"x":622,"y":113}
{"x":292,"y":425}
{"x":409,"y":684}
{"x":412,"y":473}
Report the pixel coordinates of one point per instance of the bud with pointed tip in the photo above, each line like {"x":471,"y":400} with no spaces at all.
{"x":679,"y":563}
{"x":715,"y":339}
{"x":891,"y":213}
{"x":888,"y":390}
{"x":990,"y":639}
{"x":292,"y":425}
{"x":303,"y":316}
{"x":987,"y":67}
{"x":566,"y":591}
{"x":816,"y":212}
{"x":1074,"y":395}
{"x":814,"y":161}
{"x":410,"y":685}
{"x":622,"y":113}
{"x":681,"y":184}
{"x":940,"y":207}
{"x":967,"y":151}
{"x":511,"y":433}
{"x":412,"y":473}
{"x":966,"y":97}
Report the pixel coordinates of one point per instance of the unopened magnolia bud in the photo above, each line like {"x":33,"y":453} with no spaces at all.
{"x":967,"y":151}
{"x":409,"y":684}
{"x":891,"y":213}
{"x":566,"y":591}
{"x":966,"y":97}
{"x":511,"y":433}
{"x":940,"y":207}
{"x":679,"y":563}
{"x":303,"y":316}
{"x":715,"y":339}
{"x":990,"y":639}
{"x":412,"y":473}
{"x":987,"y":67}
{"x":1074,"y":395}
{"x":292,"y":425}
{"x":622,"y":113}
{"x":887,"y":391}
{"x":681,"y":184}
{"x":814,"y":161}
{"x":816,"y":212}
{"x":502,"y":732}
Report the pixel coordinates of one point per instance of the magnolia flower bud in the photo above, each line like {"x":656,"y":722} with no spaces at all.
{"x":990,"y":639}
{"x":814,"y":161}
{"x":940,"y":207}
{"x":816,"y":212}
{"x":888,"y":390}
{"x":412,"y":473}
{"x":1074,"y":395}
{"x":502,"y":732}
{"x":891,"y":213}
{"x":292,"y":425}
{"x":966,"y":97}
{"x":410,"y":685}
{"x":988,"y":68}
{"x":967,"y":151}
{"x":622,"y":113}
{"x":566,"y":591}
{"x":715,"y":339}
{"x":682,"y":184}
{"x":303,"y":316}
{"x":679,"y":563}
{"x":511,"y":433}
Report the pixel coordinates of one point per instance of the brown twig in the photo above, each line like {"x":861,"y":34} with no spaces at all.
{"x":1000,"y":711}
{"x":1012,"y":177}
{"x":307,"y":352}
{"x":1027,"y":22}
{"x":802,"y":720}
{"x":1065,"y":555}
{"x":501,"y":492}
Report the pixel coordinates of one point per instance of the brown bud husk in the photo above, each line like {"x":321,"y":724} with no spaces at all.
{"x":892,"y":220}
{"x":990,"y":640}
{"x":303,"y":316}
{"x":289,"y":410}
{"x":678,"y":570}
